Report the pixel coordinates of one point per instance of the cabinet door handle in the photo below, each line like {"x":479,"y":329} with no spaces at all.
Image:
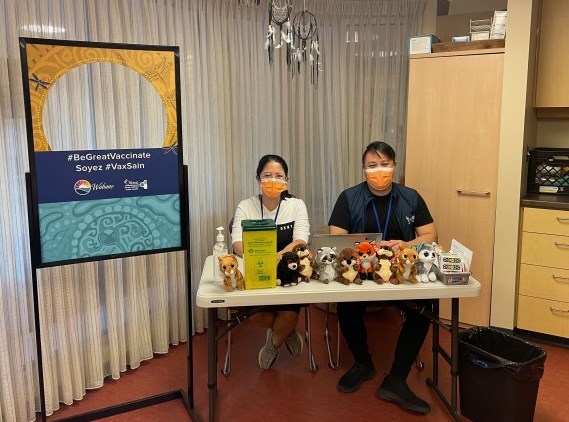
{"x":559,"y":278}
{"x":563,"y":220}
{"x":558,"y":311}
{"x":562,"y":245}
{"x":467,"y":192}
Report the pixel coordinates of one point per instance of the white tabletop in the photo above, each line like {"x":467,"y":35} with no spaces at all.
{"x":212,"y":294}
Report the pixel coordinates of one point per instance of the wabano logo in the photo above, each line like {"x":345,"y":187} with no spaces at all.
{"x":82,"y":187}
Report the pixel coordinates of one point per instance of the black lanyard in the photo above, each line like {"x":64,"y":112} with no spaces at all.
{"x":278,"y":208}
{"x":386,"y":220}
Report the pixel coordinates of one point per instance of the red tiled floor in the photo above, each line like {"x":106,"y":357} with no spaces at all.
{"x":289,"y":392}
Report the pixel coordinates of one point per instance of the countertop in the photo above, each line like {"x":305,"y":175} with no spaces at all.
{"x":541,"y":200}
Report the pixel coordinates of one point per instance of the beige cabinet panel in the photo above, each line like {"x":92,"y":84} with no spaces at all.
{"x":543,"y":316}
{"x":453,"y":133}
{"x":544,"y":282}
{"x":543,"y":289}
{"x":545,"y":250}
{"x":538,"y":220}
{"x":552,"y":87}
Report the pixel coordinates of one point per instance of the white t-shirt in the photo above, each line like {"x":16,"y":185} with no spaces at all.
{"x":292,"y":214}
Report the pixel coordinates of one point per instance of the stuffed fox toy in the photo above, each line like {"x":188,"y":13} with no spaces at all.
{"x":366,"y":258}
{"x":406,"y":269}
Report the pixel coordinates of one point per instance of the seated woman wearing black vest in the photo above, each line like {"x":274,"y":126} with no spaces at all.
{"x":399,"y":212}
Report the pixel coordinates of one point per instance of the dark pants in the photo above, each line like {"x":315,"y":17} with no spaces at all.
{"x":413,"y":333}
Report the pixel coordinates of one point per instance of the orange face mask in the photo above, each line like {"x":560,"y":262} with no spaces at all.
{"x":379,"y":178}
{"x":273,"y":188}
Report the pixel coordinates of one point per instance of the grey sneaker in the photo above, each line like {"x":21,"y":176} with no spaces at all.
{"x":268,"y":353}
{"x":294,"y":343}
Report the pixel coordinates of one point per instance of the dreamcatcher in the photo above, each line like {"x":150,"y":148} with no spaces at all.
{"x":305,"y":44}
{"x":279,"y":32}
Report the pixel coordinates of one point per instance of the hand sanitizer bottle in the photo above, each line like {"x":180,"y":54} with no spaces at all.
{"x":219,"y":249}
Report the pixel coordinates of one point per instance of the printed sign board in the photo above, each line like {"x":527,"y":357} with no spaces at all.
{"x":92,"y":204}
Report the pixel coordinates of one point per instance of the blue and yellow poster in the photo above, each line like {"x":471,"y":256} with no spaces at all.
{"x":96,"y":204}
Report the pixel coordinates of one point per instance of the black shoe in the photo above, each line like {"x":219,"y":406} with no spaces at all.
{"x":357,"y":374}
{"x":397,"y":391}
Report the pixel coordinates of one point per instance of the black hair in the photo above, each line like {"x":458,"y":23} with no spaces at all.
{"x":379,"y":148}
{"x":268,"y":158}
{"x":277,"y":158}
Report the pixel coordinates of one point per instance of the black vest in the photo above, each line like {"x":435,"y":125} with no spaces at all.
{"x":405,"y":202}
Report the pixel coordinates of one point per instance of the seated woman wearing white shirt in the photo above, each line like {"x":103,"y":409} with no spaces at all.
{"x":293,"y":227}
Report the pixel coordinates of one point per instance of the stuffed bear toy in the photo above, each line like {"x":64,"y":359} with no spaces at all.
{"x":366,"y":259}
{"x":406,"y":269}
{"x":384,"y":270}
{"x":288,"y":269}
{"x":427,"y":262}
{"x":232,"y":277}
{"x":306,"y":260}
{"x":326,"y":264}
{"x":348,"y":267}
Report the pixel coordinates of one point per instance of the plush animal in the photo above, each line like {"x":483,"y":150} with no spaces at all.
{"x":366,"y":259}
{"x":383,"y":269}
{"x":232,"y":277}
{"x":288,"y":269}
{"x":306,"y":260}
{"x":326,"y":264}
{"x":427,"y":262}
{"x":406,"y":269}
{"x":347,"y":263}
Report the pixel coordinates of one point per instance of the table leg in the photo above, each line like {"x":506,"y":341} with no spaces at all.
{"x":454,"y":355}
{"x":436,"y":345}
{"x":212,"y":361}
{"x":451,"y":359}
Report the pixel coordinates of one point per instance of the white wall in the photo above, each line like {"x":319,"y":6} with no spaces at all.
{"x":457,"y":22}
{"x":430,"y":18}
{"x":553,"y":133}
{"x":472,"y":6}
{"x":449,"y":26}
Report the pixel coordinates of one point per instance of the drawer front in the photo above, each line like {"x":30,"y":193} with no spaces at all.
{"x":538,"y":220}
{"x":544,"y":282}
{"x":543,"y":316}
{"x":545,"y":250}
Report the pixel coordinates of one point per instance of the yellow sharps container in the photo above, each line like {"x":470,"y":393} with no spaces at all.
{"x":260,"y":253}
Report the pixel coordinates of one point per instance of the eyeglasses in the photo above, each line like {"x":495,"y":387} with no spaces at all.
{"x":372,"y":165}
{"x":268,"y":175}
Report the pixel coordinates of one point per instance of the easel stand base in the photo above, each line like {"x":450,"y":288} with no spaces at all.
{"x":134,"y":405}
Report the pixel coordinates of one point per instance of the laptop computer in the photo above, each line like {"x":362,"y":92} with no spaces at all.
{"x":341,"y":241}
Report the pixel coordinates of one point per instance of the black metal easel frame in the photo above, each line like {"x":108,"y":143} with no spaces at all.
{"x":186,"y":397}
{"x":35,"y":237}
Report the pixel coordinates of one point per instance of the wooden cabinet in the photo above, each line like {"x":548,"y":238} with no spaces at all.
{"x":552,"y":87}
{"x":543,"y":294}
{"x":453,"y":133}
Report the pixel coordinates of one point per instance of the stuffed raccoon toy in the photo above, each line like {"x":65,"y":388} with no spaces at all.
{"x":326,"y":264}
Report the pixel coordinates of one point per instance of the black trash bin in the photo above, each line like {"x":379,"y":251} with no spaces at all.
{"x":499,"y":376}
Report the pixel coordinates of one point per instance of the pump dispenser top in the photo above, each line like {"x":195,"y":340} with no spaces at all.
{"x":219,"y":249}
{"x":220,"y":237}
